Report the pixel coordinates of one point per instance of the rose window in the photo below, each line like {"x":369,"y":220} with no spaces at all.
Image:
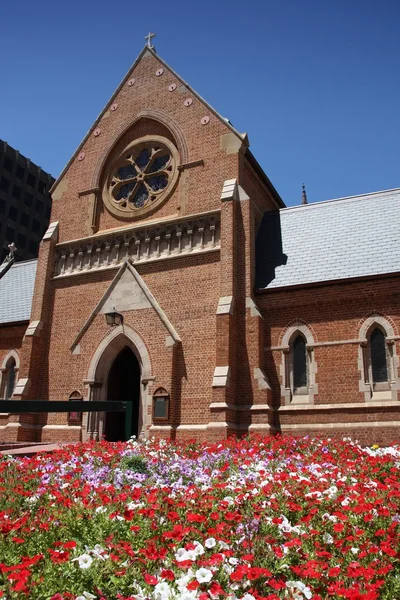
{"x":143,"y":174}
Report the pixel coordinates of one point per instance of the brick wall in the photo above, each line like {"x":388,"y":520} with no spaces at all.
{"x":333,"y":313}
{"x":11,"y":338}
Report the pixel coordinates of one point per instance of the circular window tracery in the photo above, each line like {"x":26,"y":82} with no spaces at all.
{"x":142,"y":176}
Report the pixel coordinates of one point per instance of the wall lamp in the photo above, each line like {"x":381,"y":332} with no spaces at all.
{"x":114,"y":318}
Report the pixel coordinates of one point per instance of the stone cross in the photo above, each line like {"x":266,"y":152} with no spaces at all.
{"x":12,"y":248}
{"x":148,"y":38}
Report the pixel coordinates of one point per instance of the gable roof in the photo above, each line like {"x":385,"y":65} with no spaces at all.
{"x":151,"y":51}
{"x":133,"y":288}
{"x":16,"y":292}
{"x":333,"y":240}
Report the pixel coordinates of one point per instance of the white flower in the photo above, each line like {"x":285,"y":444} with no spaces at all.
{"x":299,"y":585}
{"x":355,"y":550}
{"x":248,"y":597}
{"x":86,"y":596}
{"x":182,"y":554}
{"x":332,"y":491}
{"x":32,"y":499}
{"x":328,"y":539}
{"x":203,"y":575}
{"x":134,"y":505}
{"x":199,"y":549}
{"x":210,"y":543}
{"x":229,"y":500}
{"x":184,"y":580}
{"x":162,"y":591}
{"x":187,"y":596}
{"x":84,"y":560}
{"x":98,"y":552}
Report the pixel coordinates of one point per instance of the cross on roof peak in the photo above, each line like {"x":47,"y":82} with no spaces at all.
{"x":12,"y":248}
{"x":148,"y":38}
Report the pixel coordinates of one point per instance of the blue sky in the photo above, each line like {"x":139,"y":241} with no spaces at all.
{"x":315,"y":84}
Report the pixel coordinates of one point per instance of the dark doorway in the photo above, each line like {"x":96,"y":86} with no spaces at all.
{"x":123,"y":385}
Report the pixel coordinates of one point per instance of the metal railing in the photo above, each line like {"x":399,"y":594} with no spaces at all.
{"x":19,"y":407}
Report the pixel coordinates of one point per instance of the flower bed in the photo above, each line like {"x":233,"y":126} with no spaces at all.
{"x":265,"y":518}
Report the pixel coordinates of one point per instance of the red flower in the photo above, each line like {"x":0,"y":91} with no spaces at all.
{"x":59,"y":557}
{"x":167,"y":574}
{"x":150,"y":579}
{"x":195,"y":518}
{"x":193,"y":585}
{"x":216,"y":589}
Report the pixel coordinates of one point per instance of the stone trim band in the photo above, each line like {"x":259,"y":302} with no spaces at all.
{"x":169,"y":240}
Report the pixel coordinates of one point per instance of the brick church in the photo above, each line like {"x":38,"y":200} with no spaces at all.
{"x":173,"y":277}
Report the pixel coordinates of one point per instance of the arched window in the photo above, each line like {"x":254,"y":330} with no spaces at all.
{"x":9,"y":378}
{"x":299,"y":361}
{"x":379,"y":366}
{"x":298,"y":365}
{"x":378,"y":359}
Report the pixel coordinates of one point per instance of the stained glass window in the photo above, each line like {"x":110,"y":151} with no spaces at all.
{"x":159,"y":182}
{"x":159,"y":163}
{"x":142,"y":159}
{"x":299,"y":363}
{"x":378,"y":356}
{"x":127,"y":172}
{"x":124,"y":191}
{"x":141,"y":196}
{"x":148,"y":169}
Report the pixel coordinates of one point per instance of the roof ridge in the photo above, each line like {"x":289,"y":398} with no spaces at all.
{"x":24,"y":262}
{"x":343,"y":199}
{"x":242,"y":136}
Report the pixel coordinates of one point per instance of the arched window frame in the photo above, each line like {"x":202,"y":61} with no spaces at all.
{"x":289,"y":394}
{"x":382,"y":391}
{"x":4,"y":372}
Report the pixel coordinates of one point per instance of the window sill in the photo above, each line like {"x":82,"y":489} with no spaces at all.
{"x":381,"y":396}
{"x":300,"y":399}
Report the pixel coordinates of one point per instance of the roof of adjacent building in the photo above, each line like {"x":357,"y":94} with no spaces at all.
{"x":16,"y":292}
{"x":332,"y":240}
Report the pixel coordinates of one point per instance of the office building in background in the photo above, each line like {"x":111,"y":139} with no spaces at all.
{"x":25,"y":203}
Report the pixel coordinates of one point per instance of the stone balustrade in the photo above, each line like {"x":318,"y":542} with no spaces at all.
{"x":139,"y":245}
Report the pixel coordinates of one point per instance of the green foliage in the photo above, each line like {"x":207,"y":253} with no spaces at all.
{"x":134,"y":463}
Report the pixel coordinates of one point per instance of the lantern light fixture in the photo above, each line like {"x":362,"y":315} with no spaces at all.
{"x":114,"y":318}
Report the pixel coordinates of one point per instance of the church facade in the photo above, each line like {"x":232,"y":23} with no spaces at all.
{"x":173,"y":277}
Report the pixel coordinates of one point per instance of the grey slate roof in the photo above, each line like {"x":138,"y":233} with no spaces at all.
{"x":16,"y":292}
{"x":326,"y":241}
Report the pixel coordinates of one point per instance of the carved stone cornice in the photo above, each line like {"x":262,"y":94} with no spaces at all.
{"x":140,"y":244}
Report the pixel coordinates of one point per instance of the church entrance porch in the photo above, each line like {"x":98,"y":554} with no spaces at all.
{"x":123,"y":385}
{"x":120,"y":370}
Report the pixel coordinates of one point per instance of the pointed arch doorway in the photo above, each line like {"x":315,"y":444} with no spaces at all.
{"x":123,"y":385}
{"x":120,"y":366}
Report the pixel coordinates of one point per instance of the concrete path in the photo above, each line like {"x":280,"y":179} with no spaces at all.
{"x":31,"y":450}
